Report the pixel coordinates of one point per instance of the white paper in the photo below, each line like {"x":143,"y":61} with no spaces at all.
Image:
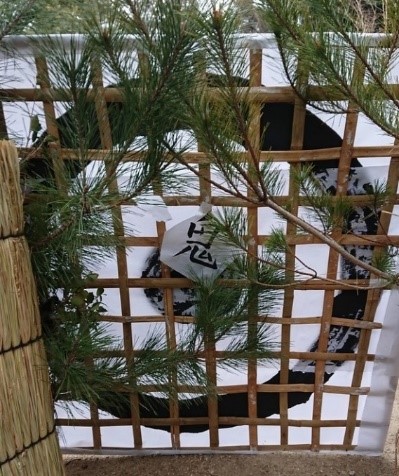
{"x":190,"y":249}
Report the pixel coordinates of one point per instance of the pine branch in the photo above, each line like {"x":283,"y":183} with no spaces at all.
{"x":260,"y":200}
{"x":325,"y":51}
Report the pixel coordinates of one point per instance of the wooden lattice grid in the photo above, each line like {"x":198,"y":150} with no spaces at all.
{"x":45,"y":94}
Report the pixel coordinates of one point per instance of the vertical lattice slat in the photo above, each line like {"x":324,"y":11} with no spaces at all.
{"x":298,"y":128}
{"x":209,"y":344}
{"x":106,"y":141}
{"x":343,"y":172}
{"x":322,"y":347}
{"x":3,"y":123}
{"x":255,"y":78}
{"x":43,"y":80}
{"x":344,"y":165}
{"x":171,"y":343}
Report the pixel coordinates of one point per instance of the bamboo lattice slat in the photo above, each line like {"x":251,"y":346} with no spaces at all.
{"x":255,"y":80}
{"x":131,"y":316}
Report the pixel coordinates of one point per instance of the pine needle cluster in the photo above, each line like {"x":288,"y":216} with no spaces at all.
{"x":348,"y":48}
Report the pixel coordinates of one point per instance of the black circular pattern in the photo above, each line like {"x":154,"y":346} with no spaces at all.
{"x":276,"y":122}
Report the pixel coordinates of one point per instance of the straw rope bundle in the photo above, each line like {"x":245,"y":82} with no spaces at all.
{"x":28,"y":439}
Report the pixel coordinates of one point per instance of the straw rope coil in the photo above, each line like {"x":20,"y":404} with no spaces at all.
{"x":28,"y":441}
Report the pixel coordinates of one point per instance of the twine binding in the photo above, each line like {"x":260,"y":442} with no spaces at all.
{"x":16,"y":235}
{"x":27,"y":447}
{"x":21,"y":345}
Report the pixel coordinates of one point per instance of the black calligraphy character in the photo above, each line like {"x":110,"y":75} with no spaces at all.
{"x":199,"y":250}
{"x":199,"y":255}
{"x":193,"y":229}
{"x":200,"y":231}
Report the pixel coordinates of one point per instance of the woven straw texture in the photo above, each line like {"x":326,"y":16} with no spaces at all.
{"x":28,"y":438}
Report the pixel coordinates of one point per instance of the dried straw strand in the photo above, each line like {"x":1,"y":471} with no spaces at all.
{"x":28,"y":440}
{"x":11,"y":213}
